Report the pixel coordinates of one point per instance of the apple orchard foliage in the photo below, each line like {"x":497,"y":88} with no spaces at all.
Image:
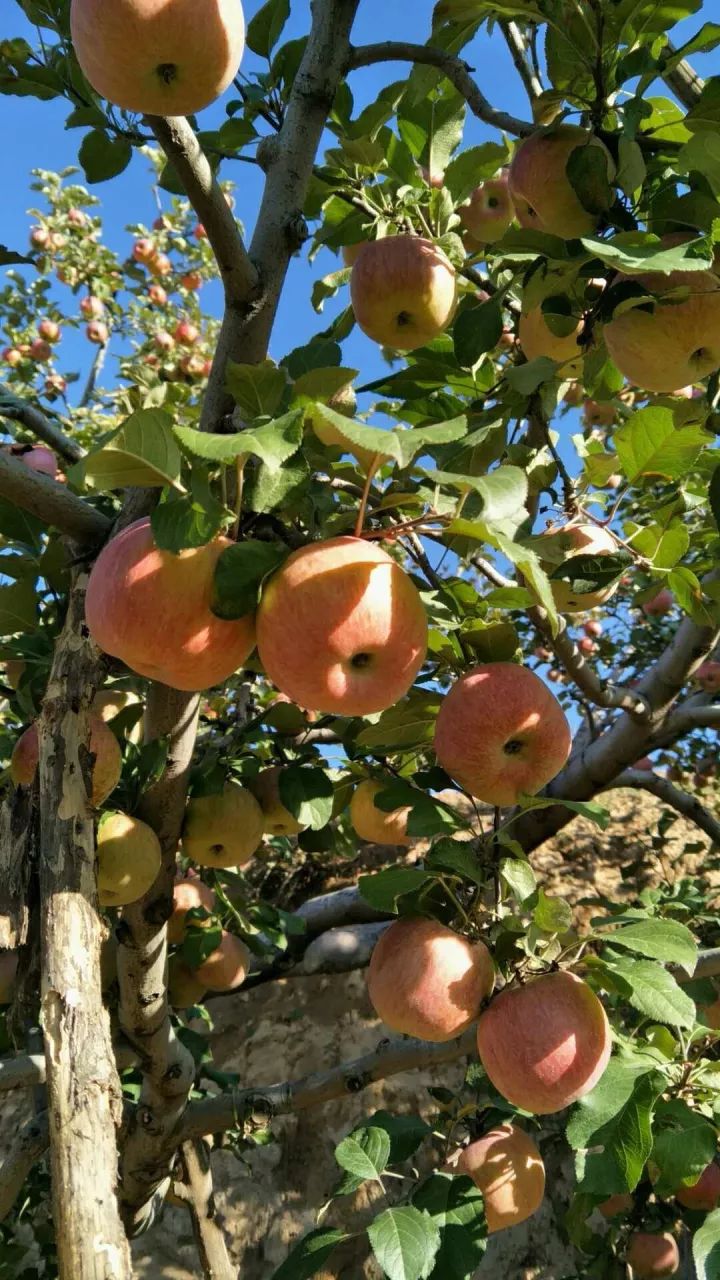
{"x":455,"y":447}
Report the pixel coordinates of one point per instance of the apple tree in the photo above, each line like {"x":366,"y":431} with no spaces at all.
{"x":259,"y":606}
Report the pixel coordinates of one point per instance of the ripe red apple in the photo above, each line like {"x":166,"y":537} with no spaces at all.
{"x":97,"y":332}
{"x":129,"y":860}
{"x":341,"y":628}
{"x":227,"y":966}
{"x":163,"y":340}
{"x":191,"y":280}
{"x":540,"y":189}
{"x":673,"y":344}
{"x":133,"y":585}
{"x":92,"y":307}
{"x":373,"y":824}
{"x":545,"y":1044}
{"x":708,"y":676}
{"x":146,"y":55}
{"x":660,"y":604}
{"x":144,"y":249}
{"x":622,"y":1202}
{"x":157,"y":295}
{"x":199,"y":231}
{"x":49,"y":330}
{"x":222,"y":830}
{"x":12,"y":356}
{"x":652,"y":1255}
{"x":488,"y":213}
{"x":507,"y":1167}
{"x":593,"y":628}
{"x":40,"y":351}
{"x":501,"y":733}
{"x":186,"y":333}
{"x":403,"y":291}
{"x":276,"y":820}
{"x":587,"y":645}
{"x":564,"y":544}
{"x":39,"y":237}
{"x":76,"y":218}
{"x":188,"y":895}
{"x":106,"y":768}
{"x":424,"y":980}
{"x":703,"y":1195}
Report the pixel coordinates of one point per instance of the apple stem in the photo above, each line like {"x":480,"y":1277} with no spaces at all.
{"x":240,"y":474}
{"x":372,"y":469}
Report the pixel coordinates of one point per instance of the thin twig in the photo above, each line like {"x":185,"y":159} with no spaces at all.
{"x":687,"y":805}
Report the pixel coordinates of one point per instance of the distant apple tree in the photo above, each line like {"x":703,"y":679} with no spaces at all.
{"x":259,"y":609}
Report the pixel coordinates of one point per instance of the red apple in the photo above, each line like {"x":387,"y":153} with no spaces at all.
{"x":708,"y":676}
{"x":49,"y":330}
{"x":489,"y":211}
{"x":97,"y":332}
{"x":186,"y":333}
{"x":652,"y":1255}
{"x":157,"y":295}
{"x":660,"y":604}
{"x":403,"y":291}
{"x":92,"y":307}
{"x":40,"y":351}
{"x":541,"y":191}
{"x":104,"y":747}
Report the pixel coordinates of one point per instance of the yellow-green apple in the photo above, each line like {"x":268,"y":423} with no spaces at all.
{"x":403,"y":291}
{"x":8,"y":973}
{"x":652,"y":1255}
{"x":540,"y":188}
{"x":189,"y":894}
{"x":537,"y":339}
{"x":424,"y":980}
{"x":129,"y":859}
{"x":501,"y":733}
{"x":150,"y":56}
{"x":622,"y":1202}
{"x":275,"y":819}
{"x":373,"y":824}
{"x":152,"y":609}
{"x":545,"y":1044}
{"x":577,"y":539}
{"x":341,"y":628}
{"x":488,"y":213}
{"x":507,"y":1167}
{"x":185,"y":988}
{"x":708,"y":676}
{"x":106,"y":769}
{"x":222,"y":830}
{"x":675,"y":343}
{"x":108,"y":703}
{"x":227,"y":966}
{"x":160,"y":265}
{"x":704,"y":1194}
{"x":659,"y":605}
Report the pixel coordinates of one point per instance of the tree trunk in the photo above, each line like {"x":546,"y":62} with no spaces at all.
{"x":84,"y":1097}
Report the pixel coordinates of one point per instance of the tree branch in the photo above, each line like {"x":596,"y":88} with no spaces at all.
{"x":454,"y":69}
{"x":686,"y":719}
{"x":683,"y":79}
{"x":38,"y":425}
{"x":200,"y":1203}
{"x":599,"y":692}
{"x":689,"y":806}
{"x":517,"y":44}
{"x":51,"y":502}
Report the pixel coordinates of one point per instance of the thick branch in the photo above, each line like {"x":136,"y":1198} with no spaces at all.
{"x":689,"y":806}
{"x":454,"y":69}
{"x":342,"y":906}
{"x":51,"y":502}
{"x":599,"y":692}
{"x":38,"y":425}
{"x":683,"y":79}
{"x":686,"y":719}
{"x":200,"y":1201}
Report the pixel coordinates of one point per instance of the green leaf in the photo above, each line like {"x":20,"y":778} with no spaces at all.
{"x":365,"y":1153}
{"x":631,"y":1140}
{"x":274,"y":443}
{"x":552,"y":915}
{"x":706,"y":1248}
{"x":477,"y":330}
{"x":649,"y":444}
{"x":456,"y":856}
{"x":599,"y":1107}
{"x":503,"y":492}
{"x":636,"y":253}
{"x":589,"y":573}
{"x":405,"y":1134}
{"x":18,"y":608}
{"x":257,"y":389}
{"x":274,"y":487}
{"x":405,"y":1243}
{"x":183,"y":522}
{"x":587,"y":169}
{"x":589,"y":809}
{"x":239,"y":575}
{"x":411,"y":443}
{"x":652,"y":991}
{"x":309,"y":1254}
{"x":308,"y":794}
{"x":685,"y":1143}
{"x":103,"y":157}
{"x":383,"y":890}
{"x":665,"y":940}
{"x":141,"y":452}
{"x":519,"y":877}
{"x":408,"y":724}
{"x":472,"y":166}
{"x":526,"y":378}
{"x":714,"y":496}
{"x":456,"y":1207}
{"x":265,"y":28}
{"x":427,"y":817}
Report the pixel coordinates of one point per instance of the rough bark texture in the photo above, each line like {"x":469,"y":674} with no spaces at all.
{"x":209,"y":1237}
{"x":16,"y":856}
{"x":84,"y":1100}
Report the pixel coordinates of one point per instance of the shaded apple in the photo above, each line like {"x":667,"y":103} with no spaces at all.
{"x":537,"y":339}
{"x":129,"y":860}
{"x":373,"y":824}
{"x":488,"y":213}
{"x":427,"y":981}
{"x":189,"y":894}
{"x":222,"y":830}
{"x":501,"y":733}
{"x":652,"y":1255}
{"x":565,"y":544}
{"x":108,"y":703}
{"x":703,"y":1195}
{"x":673,"y":344}
{"x":185,"y":988}
{"x":227,"y":966}
{"x":106,"y":768}
{"x":507,"y":1167}
{"x":152,"y":609}
{"x":403,"y":291}
{"x":341,"y":628}
{"x":276,"y":820}
{"x":541,"y":191}
{"x":659,"y":605}
{"x":622,"y":1202}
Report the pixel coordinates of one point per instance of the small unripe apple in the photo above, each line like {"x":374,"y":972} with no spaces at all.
{"x":223,"y":830}
{"x":157,"y":295}
{"x":507,"y":1167}
{"x":144,"y":250}
{"x":129,"y":860}
{"x":652,"y":1255}
{"x":49,"y":330}
{"x":186,"y":333}
{"x":660,"y":604}
{"x":92,"y":307}
{"x":96,"y":331}
{"x":40,"y":351}
{"x":227,"y":966}
{"x":106,"y":769}
{"x":191,"y":280}
{"x":189,"y":894}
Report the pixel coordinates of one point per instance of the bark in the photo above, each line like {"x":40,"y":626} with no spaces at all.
{"x":16,"y":859}
{"x":200,"y":1201}
{"x":51,"y":502}
{"x":83,"y":1089}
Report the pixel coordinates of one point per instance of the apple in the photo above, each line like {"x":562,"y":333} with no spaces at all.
{"x":227,"y":966}
{"x":152,"y":609}
{"x":540,"y":189}
{"x":8,"y":974}
{"x":342,"y":628}
{"x":129,"y":860}
{"x":163,"y":340}
{"x":106,"y":768}
{"x":403,"y":291}
{"x":644,"y":764}
{"x":108,"y":703}
{"x":576,"y":539}
{"x":186,"y":333}
{"x":587,"y":645}
{"x":97,"y":332}
{"x":39,"y":458}
{"x":488,"y":213}
{"x":674,"y":344}
{"x":144,"y":249}
{"x":660,"y":604}
{"x":652,"y":1255}
{"x":501,"y":733}
{"x":55,"y":385}
{"x":184,"y":986}
{"x":621,"y":1202}
{"x":542,"y":653}
{"x":545,"y":1044}
{"x":189,"y":894}
{"x":704,"y":1194}
{"x":157,"y":295}
{"x":708,"y":677}
{"x":193,"y":365}
{"x":76,"y":218}
{"x":160,"y":265}
{"x":427,"y":981}
{"x":537,"y":339}
{"x":39,"y":237}
{"x":276,"y":819}
{"x":49,"y":330}
{"x":555,"y":676}
{"x":58,"y":240}
{"x":40,"y":351}
{"x":192,"y":280}
{"x":593,"y":628}
{"x":12,"y":356}
{"x":507,"y":1167}
{"x":199,"y":231}
{"x":373,"y":824}
{"x":147,"y":56}
{"x":573,"y":394}
{"x":598,"y":413}
{"x":223,"y":830}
